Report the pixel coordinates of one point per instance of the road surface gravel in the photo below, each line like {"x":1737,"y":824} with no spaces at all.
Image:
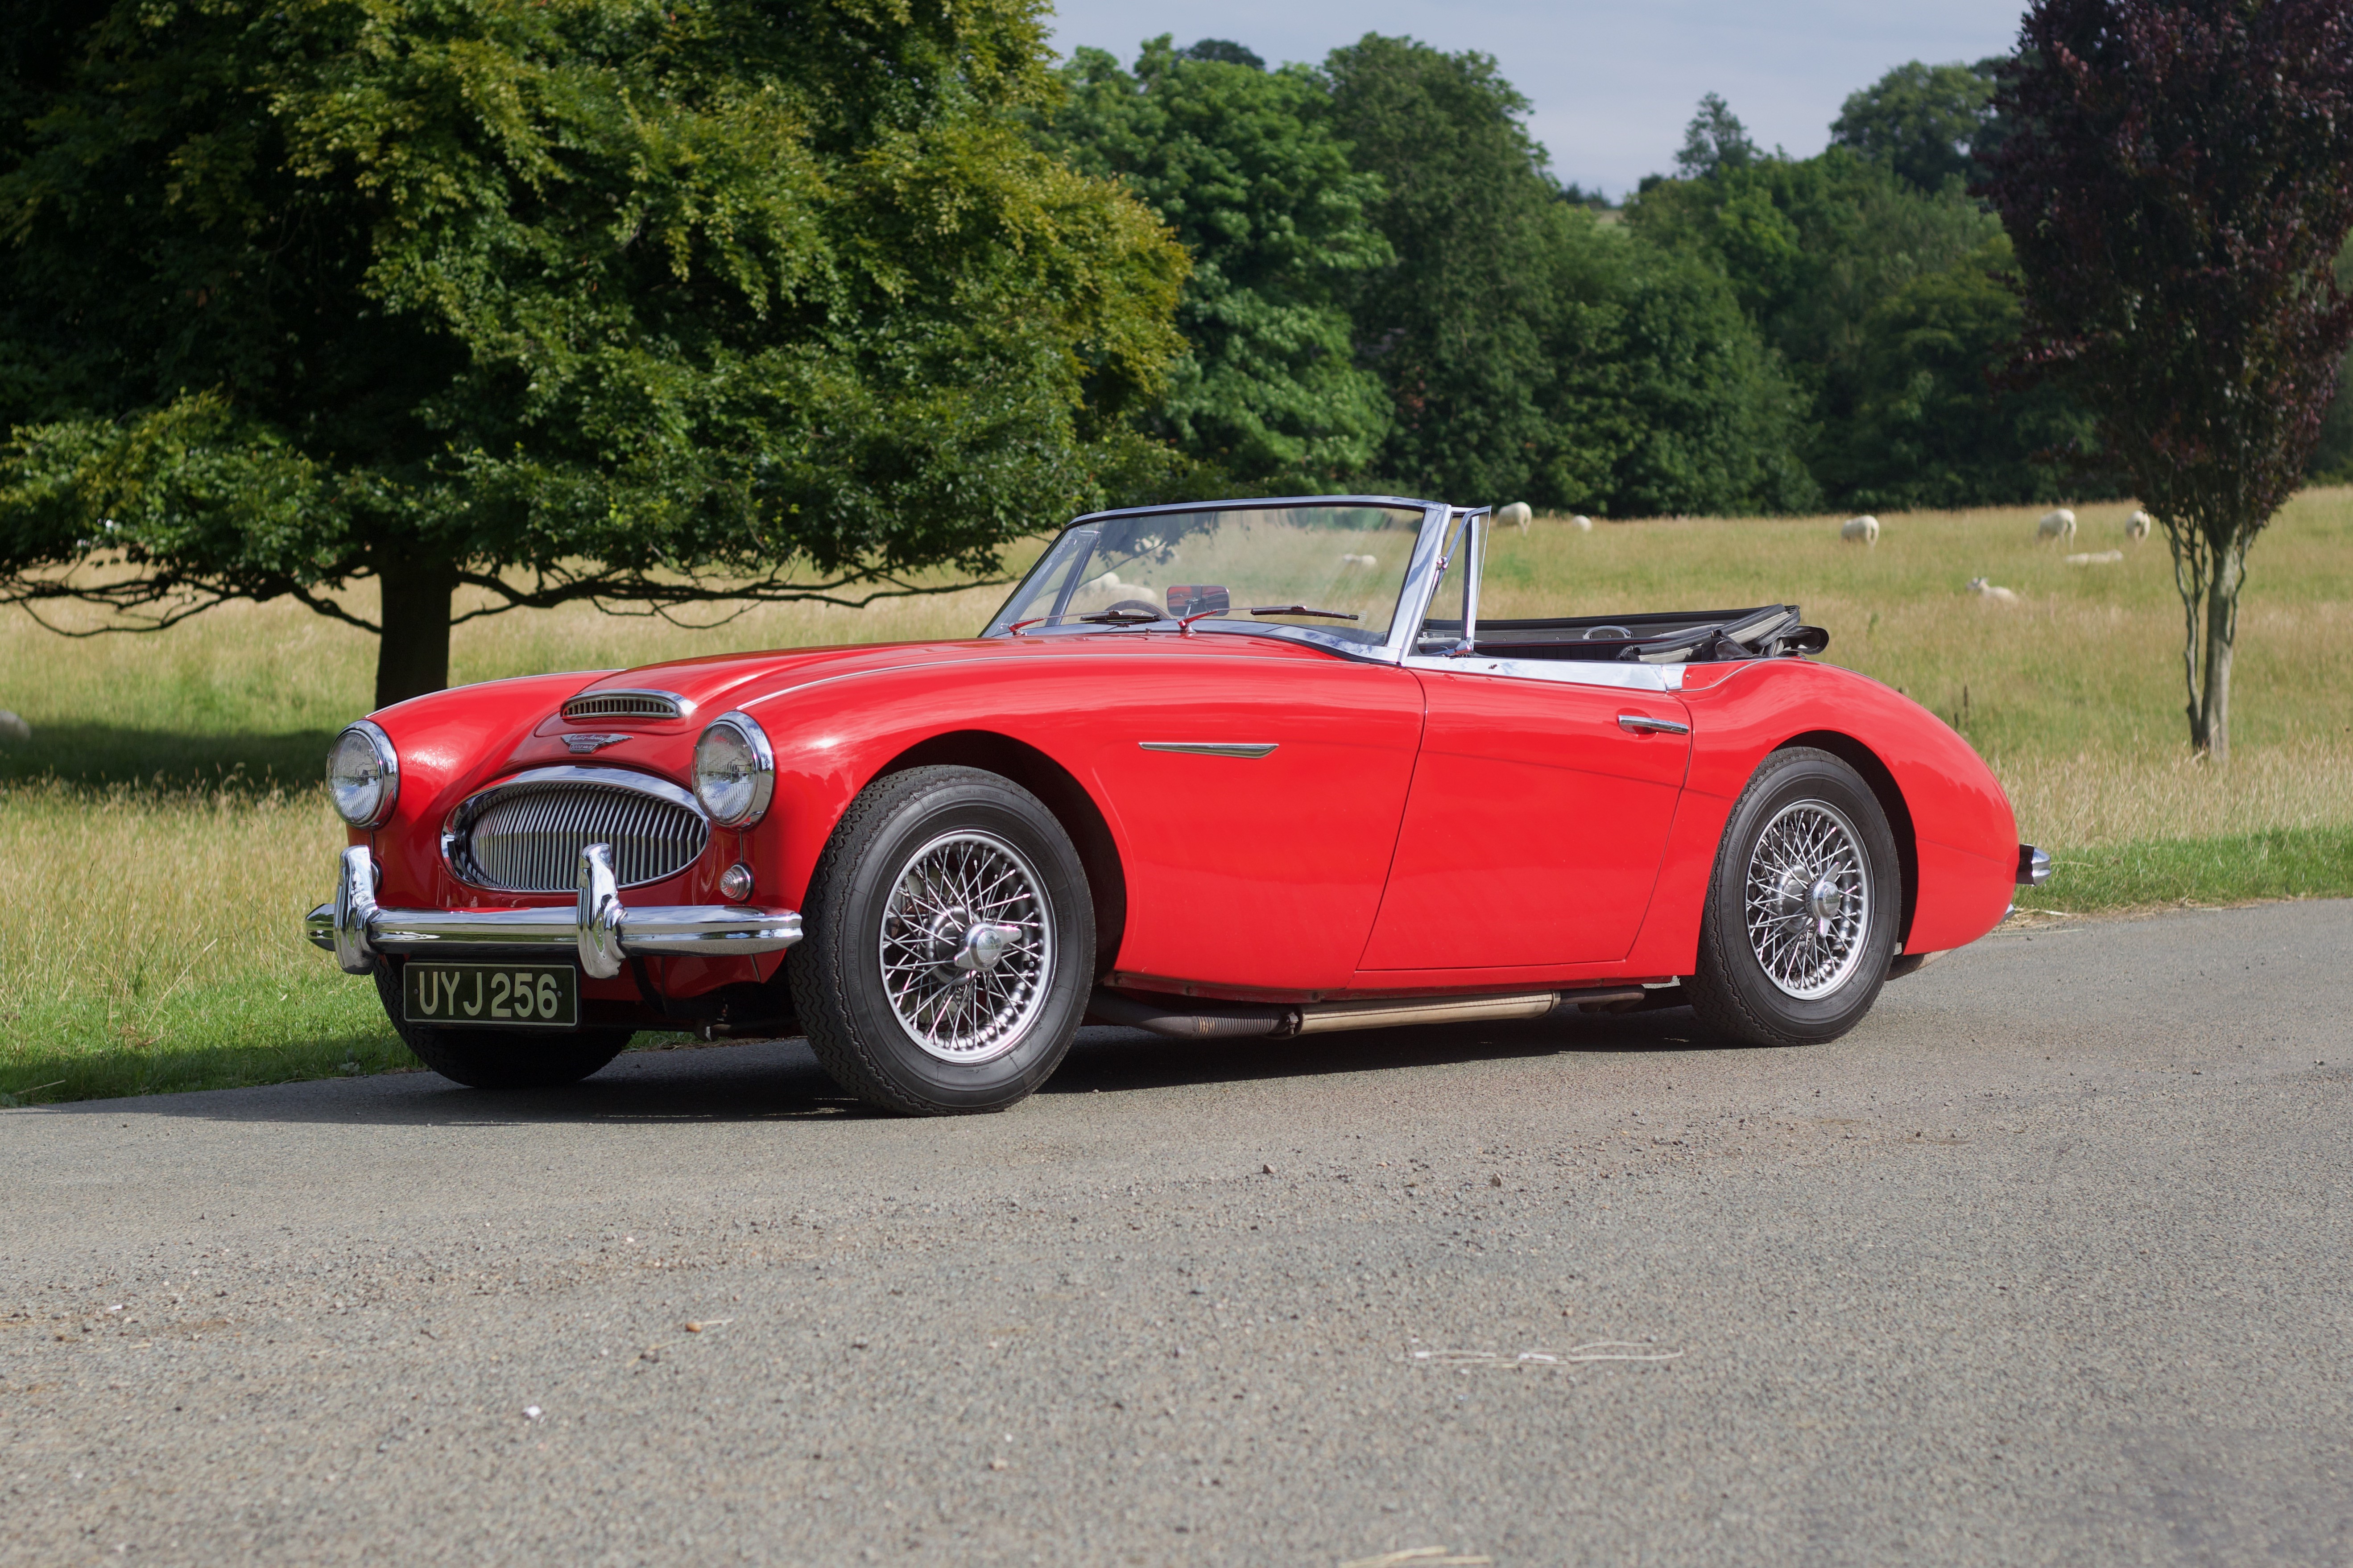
{"x":2045,"y":1263}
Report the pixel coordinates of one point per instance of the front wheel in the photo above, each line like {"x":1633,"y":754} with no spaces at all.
{"x":948,"y":944}
{"x":1801,"y":913}
{"x":499,"y":1059}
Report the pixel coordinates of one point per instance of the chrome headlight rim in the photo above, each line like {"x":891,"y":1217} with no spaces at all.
{"x":746,"y":729}
{"x":387,"y":759}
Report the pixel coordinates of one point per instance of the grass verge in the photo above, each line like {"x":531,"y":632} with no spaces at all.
{"x":2236,"y":869}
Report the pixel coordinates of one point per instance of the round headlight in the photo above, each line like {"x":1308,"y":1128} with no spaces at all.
{"x":364,"y":775}
{"x":734,"y":770}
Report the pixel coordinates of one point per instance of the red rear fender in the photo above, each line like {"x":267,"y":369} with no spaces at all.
{"x":1961,"y":858}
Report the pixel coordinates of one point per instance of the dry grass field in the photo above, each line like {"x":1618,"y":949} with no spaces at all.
{"x":163,"y":830}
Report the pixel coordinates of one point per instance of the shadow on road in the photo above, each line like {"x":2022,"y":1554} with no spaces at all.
{"x":780,"y":1080}
{"x":1107,"y":1061}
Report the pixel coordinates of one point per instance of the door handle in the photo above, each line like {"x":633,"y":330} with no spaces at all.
{"x":1643,"y":724}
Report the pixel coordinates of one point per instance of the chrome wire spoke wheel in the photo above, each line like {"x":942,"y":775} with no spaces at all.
{"x":967,"y":947}
{"x":1809,"y":899}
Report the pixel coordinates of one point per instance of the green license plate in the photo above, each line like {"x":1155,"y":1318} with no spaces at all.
{"x":537,"y":996}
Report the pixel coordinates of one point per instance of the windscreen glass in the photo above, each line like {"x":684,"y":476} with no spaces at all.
{"x":1335,"y":570}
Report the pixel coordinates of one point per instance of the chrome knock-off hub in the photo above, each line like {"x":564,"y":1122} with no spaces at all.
{"x":970,"y":946}
{"x":1825,"y":901}
{"x":967,"y":947}
{"x":1809,"y":899}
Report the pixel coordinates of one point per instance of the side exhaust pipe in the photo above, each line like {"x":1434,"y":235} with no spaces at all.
{"x":1331,"y":1017}
{"x":1191,"y":1020}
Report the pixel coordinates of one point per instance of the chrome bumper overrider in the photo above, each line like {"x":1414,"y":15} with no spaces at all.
{"x":597,"y":928}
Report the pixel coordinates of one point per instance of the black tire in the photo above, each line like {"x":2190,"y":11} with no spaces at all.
{"x":1825,"y":980}
{"x":1003,"y":1016}
{"x":499,"y":1058}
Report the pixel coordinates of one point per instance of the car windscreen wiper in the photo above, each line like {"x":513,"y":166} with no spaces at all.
{"x":1303,"y":610}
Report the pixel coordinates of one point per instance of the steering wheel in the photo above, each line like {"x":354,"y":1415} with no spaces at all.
{"x":1144,"y":605}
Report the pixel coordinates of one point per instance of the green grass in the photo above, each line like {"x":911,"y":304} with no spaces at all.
{"x":235,"y":1033}
{"x":162,"y":832}
{"x":2244,"y":867}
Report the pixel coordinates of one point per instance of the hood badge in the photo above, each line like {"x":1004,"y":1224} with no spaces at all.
{"x":583,"y":745}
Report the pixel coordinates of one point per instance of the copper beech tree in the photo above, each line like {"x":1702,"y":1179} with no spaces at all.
{"x":2178,"y":183}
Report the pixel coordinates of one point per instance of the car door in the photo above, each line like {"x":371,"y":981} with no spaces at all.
{"x":1537,"y":817}
{"x":1257,"y":801}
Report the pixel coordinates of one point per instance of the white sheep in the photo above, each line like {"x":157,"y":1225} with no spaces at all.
{"x":1860,"y":531}
{"x":1360,"y":559}
{"x":1515,"y":515}
{"x":1108,"y":580}
{"x":1991,"y":593}
{"x":2059,"y":523}
{"x":2096,"y":557}
{"x":1582,"y":524}
{"x":12,"y":728}
{"x":2138,"y":525}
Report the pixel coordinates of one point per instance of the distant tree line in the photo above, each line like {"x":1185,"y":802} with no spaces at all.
{"x":1391,"y":290}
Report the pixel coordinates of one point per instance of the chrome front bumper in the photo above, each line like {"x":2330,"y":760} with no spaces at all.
{"x":597,"y":928}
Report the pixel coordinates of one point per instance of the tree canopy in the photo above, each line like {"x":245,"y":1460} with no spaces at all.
{"x":590,"y":298}
{"x":1924,"y":121}
{"x":1715,"y":141}
{"x":1245,"y":167}
{"x":1528,"y":351}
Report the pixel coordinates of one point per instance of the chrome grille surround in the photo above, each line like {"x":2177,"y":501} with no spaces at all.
{"x":524,"y":834}
{"x":620,"y":704}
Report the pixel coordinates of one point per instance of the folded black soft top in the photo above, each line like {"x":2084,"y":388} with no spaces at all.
{"x":1656,"y":637}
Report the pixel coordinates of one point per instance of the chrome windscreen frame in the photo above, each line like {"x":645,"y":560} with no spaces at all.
{"x":1413,"y":594}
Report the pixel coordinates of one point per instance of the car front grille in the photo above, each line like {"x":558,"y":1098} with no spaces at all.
{"x":526,"y":836}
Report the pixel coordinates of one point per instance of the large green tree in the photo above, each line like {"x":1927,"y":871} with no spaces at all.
{"x":1455,"y":327}
{"x":1924,"y":121}
{"x":1876,"y":294}
{"x":1922,"y":427}
{"x":1528,"y":351}
{"x":2179,"y":186}
{"x":1244,"y":166}
{"x":549,"y":298}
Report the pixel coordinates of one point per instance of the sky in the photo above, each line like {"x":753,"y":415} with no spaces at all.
{"x":1613,"y":83}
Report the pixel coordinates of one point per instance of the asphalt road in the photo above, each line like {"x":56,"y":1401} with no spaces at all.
{"x":2046,"y":1263}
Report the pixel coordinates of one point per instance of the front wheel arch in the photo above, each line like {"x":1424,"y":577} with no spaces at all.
{"x":1061,"y":794}
{"x":1883,"y":788}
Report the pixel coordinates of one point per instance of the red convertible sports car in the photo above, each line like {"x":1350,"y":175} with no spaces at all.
{"x":1246,"y":768}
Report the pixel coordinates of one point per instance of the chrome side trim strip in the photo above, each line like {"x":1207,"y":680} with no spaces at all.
{"x":596,"y":928}
{"x":1213,"y":747}
{"x":1558,"y":671}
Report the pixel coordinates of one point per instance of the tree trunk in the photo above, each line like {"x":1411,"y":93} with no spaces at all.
{"x":412,"y":656}
{"x":2209,"y":656}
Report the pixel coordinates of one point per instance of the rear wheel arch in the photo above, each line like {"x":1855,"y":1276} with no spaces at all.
{"x":1885,"y":789}
{"x":1061,"y":794}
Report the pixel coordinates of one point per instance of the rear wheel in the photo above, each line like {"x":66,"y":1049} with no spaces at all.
{"x":1800,"y":918}
{"x":948,"y":945}
{"x":499,"y":1058}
